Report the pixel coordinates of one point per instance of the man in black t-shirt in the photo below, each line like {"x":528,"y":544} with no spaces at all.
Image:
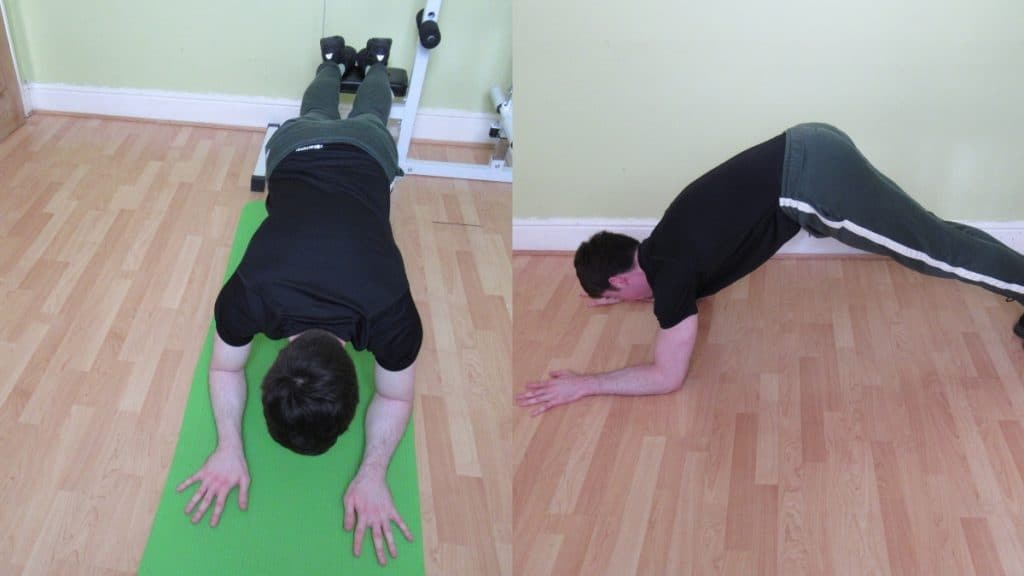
{"x":323,"y":269}
{"x":732,"y":219}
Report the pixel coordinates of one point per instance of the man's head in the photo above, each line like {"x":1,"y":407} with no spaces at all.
{"x":310,"y":393}
{"x":607,"y":268}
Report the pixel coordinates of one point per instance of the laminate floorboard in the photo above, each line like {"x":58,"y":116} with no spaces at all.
{"x":841,"y":417}
{"x":114,"y":236}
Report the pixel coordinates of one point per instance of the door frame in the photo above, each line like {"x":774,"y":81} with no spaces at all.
{"x":26,"y":103}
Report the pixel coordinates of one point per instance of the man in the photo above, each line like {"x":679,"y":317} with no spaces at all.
{"x":323,"y":269}
{"x":731,"y":220}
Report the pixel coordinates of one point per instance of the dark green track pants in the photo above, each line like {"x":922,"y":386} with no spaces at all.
{"x":832,"y":190}
{"x":319,"y":121}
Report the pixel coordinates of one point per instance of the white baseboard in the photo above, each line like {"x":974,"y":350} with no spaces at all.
{"x":561,"y":234}
{"x":565,"y":234}
{"x":449,"y":125}
{"x":229,"y":110}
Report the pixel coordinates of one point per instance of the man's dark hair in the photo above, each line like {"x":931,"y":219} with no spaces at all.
{"x":603,"y":256}
{"x":310,"y":393}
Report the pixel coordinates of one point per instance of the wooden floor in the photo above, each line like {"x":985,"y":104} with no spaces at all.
{"x":841,"y":417}
{"x":113,"y":240}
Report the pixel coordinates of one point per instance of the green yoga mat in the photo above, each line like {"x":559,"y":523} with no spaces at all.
{"x":294,"y":521}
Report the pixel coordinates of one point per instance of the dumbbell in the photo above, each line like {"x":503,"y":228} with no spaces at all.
{"x":430,"y":32}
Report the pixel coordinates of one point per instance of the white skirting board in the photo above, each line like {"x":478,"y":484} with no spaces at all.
{"x":230,"y":110}
{"x":565,"y":234}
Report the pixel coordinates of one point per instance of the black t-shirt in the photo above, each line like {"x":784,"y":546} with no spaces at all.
{"x":719,"y":229}
{"x":325,"y":258}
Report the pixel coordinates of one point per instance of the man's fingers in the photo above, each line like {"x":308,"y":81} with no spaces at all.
{"x":390,"y":539}
{"x":602,"y":302}
{"x":378,"y":544}
{"x":202,"y":507}
{"x":357,"y":547}
{"x":537,"y":385}
{"x":401,"y":526}
{"x":218,"y":508}
{"x":243,"y":494}
{"x":200,"y":492}
{"x":541,"y":409}
{"x":350,"y":515}
{"x":531,"y":399}
{"x":188,"y":482}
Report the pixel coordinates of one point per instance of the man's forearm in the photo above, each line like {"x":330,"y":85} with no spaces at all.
{"x":227,"y":396}
{"x":386,"y":420}
{"x":639,"y":380}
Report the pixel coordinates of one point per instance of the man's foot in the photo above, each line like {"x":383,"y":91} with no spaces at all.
{"x":376,"y":52}
{"x":333,"y":48}
{"x":1019,"y":328}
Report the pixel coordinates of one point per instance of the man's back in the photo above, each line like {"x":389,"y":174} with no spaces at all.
{"x":325,"y":257}
{"x":720,"y":228}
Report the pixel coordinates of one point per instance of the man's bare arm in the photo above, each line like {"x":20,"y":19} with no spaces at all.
{"x":228,"y":391}
{"x":368,"y":501}
{"x":672,"y":352}
{"x":386,"y":418}
{"x":226,"y":466}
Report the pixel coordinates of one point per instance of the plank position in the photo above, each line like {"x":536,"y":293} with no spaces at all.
{"x":323,"y":269}
{"x":731,"y":220}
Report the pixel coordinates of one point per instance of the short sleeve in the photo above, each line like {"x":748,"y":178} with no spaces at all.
{"x":396,"y":335}
{"x":675,"y":296}
{"x":237,"y":321}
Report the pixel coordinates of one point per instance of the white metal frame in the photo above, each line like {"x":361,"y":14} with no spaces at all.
{"x":499,"y":169}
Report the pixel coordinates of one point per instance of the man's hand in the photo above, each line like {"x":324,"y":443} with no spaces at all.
{"x":603,"y":301}
{"x":368,"y":505}
{"x":226,"y":467}
{"x":563,"y":387}
{"x":223,"y":470}
{"x":606,"y":300}
{"x":672,"y":352}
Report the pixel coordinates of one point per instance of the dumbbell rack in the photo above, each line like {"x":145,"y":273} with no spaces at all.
{"x":499,"y":169}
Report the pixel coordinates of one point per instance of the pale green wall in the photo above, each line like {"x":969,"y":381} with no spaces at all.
{"x":620,"y":105}
{"x":253,"y":47}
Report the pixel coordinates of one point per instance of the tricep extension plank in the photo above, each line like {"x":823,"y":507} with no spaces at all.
{"x":294,"y":521}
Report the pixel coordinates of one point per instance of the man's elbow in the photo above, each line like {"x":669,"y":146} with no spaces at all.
{"x":671,"y":385}
{"x":230,"y":374}
{"x":671,"y":382}
{"x":400,"y":396}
